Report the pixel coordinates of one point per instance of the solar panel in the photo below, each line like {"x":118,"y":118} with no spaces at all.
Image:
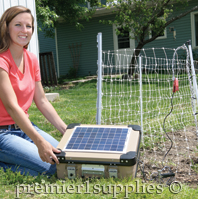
{"x":100,"y":139}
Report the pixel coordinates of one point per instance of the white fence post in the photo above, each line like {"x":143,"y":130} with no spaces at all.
{"x":99,"y":82}
{"x":193,"y":70}
{"x":141,"y":108}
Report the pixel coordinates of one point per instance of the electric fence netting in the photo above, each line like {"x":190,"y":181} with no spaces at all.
{"x":160,"y":96}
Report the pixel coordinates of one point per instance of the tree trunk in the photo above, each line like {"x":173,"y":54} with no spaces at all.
{"x":133,"y":60}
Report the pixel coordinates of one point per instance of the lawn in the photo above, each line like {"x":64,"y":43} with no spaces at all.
{"x":78,"y":105}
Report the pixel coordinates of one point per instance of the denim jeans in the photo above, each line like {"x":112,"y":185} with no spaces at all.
{"x":19,"y":153}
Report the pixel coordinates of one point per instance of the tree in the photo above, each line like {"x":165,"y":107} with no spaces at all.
{"x":141,"y":17}
{"x":72,"y":11}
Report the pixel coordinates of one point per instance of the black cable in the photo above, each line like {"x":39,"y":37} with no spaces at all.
{"x":164,"y":175}
{"x":142,"y":170}
{"x":165,"y":129}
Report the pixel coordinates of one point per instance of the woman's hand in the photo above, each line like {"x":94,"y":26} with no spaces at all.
{"x":46,"y":152}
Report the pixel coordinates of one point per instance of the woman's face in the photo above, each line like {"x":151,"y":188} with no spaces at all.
{"x":20,"y":29}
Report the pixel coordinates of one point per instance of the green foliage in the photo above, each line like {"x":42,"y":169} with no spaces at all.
{"x":48,"y":11}
{"x":72,"y":73}
{"x":143,"y":17}
{"x":194,"y":53}
{"x":46,"y":17}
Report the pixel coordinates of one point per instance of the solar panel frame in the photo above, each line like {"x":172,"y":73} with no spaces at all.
{"x":98,"y":139}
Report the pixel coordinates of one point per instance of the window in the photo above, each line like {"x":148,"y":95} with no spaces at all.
{"x":122,"y":42}
{"x":194,"y":29}
{"x":161,"y":36}
{"x":89,"y":5}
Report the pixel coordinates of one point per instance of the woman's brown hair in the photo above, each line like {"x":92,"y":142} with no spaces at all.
{"x":6,"y":18}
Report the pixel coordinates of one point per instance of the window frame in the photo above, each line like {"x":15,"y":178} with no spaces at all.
{"x":115,"y":40}
{"x":89,"y":6}
{"x":160,"y":37}
{"x":124,"y":39}
{"x":193,"y":34}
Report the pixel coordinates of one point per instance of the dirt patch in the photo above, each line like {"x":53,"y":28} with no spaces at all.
{"x":69,"y":84}
{"x":182,"y":159}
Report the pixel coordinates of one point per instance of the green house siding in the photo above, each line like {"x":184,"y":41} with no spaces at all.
{"x":68,"y":35}
{"x":183,"y":31}
{"x":87,"y":37}
{"x":47,"y":45}
{"x":103,"y":2}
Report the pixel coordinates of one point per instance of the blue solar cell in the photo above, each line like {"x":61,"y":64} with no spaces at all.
{"x":102,"y":139}
{"x":69,"y":146}
{"x":87,"y":135}
{"x":121,"y":142}
{"x":82,"y":146}
{"x":92,"y":136}
{"x":89,"y":129}
{"x":115,"y":141}
{"x":78,"y":141}
{"x":88,"y":146}
{"x":109,"y":141}
{"x":90,"y":141}
{"x":96,"y":141}
{"x":84,"y":141}
{"x":119,"y":148}
{"x":110,"y":136}
{"x":107,"y":147}
{"x":94,"y":147}
{"x":77,"y":131}
{"x":72,"y":140}
{"x":75,"y":135}
{"x":75,"y":146}
{"x":95,"y":130}
{"x":98,"y":136}
{"x":104,"y":135}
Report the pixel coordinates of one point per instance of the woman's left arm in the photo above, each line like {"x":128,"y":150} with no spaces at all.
{"x":47,"y":109}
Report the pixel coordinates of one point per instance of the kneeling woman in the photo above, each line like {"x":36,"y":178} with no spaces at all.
{"x":23,"y":147}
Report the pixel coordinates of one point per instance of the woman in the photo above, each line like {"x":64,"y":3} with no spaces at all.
{"x":23,"y":147}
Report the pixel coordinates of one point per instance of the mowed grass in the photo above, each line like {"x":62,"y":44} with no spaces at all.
{"x":78,"y":105}
{"x":121,"y":104}
{"x":75,"y":105}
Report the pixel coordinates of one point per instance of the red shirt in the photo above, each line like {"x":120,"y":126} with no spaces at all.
{"x":22,"y":83}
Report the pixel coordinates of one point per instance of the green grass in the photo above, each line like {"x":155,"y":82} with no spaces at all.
{"x":156,"y":105}
{"x":78,"y":105}
{"x":156,"y":101}
{"x":13,"y":185}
